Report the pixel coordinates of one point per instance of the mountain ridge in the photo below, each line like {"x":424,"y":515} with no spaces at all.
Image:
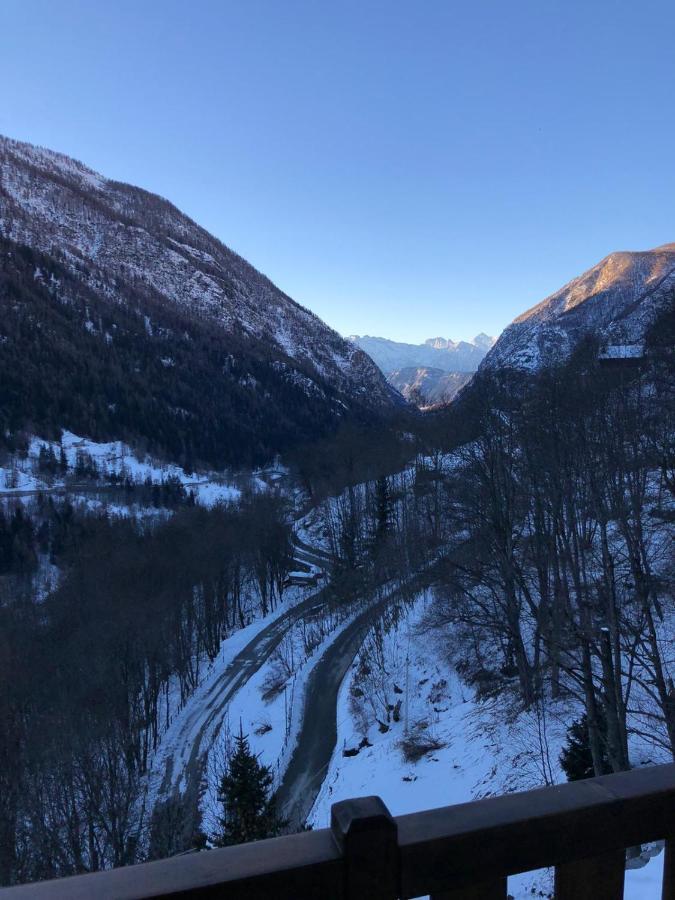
{"x":133,"y":249}
{"x":615,"y":300}
{"x":439,"y":353}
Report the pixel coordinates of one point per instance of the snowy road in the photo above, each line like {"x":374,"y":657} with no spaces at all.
{"x":201,"y":719}
{"x":187,"y":746}
{"x":316,"y":742}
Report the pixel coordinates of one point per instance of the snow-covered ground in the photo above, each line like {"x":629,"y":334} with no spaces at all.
{"x":273,"y":718}
{"x":19,"y":475}
{"x":474,"y":750}
{"x":187,"y":720}
{"x":311,"y":529}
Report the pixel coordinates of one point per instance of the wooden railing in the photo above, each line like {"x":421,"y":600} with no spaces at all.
{"x":462,"y":852}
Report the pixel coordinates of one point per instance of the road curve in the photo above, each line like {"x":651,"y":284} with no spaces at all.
{"x":308,"y":765}
{"x":201,"y":722}
{"x":313,"y":555}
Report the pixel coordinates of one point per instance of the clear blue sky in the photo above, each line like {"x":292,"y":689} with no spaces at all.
{"x":406,"y":169}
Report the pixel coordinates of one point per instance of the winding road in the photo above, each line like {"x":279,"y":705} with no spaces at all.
{"x":308,"y":765}
{"x":202,"y":717}
{"x":306,"y":553}
{"x":185,"y":760}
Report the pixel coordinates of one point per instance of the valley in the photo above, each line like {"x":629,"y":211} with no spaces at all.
{"x":431,"y":374}
{"x":432,"y":572}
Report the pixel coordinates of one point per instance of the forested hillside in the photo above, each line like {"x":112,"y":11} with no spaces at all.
{"x":144,"y":371}
{"x":565,"y":584}
{"x":426,"y":387}
{"x":537,"y":513}
{"x":92,"y":674}
{"x":614,"y":302}
{"x":124,"y":319}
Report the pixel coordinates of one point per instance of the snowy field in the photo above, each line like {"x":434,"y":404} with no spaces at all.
{"x":20,"y":476}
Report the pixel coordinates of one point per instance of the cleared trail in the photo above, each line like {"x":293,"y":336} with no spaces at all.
{"x":198,"y":718}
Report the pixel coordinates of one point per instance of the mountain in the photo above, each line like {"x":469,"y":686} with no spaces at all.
{"x":122,"y":318}
{"x":427,"y":374}
{"x":426,"y":386}
{"x":615,"y":301}
{"x":484,"y":341}
{"x":438,"y":353}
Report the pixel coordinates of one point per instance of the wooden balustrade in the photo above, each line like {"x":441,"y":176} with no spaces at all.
{"x":462,"y":852}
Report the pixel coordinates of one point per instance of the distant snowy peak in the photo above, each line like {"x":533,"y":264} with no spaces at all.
{"x":118,"y":235}
{"x":484,"y":341}
{"x":439,"y":343}
{"x":616,"y":301}
{"x":438,"y":353}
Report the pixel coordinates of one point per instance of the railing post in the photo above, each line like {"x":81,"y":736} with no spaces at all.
{"x":668,"y":889}
{"x":595,"y":878}
{"x":490,"y":890}
{"x":367,"y":835}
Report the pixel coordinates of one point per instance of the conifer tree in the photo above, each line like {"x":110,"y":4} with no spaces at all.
{"x":249,"y":814}
{"x":575,"y":757}
{"x":382,"y":507}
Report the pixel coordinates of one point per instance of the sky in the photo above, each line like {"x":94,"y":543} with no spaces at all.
{"x":404,"y":169}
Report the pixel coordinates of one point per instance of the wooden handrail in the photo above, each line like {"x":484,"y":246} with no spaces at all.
{"x":459,"y":852}
{"x":298,"y":865}
{"x":460,"y":845}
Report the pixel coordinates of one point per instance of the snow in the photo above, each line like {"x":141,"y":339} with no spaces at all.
{"x":120,"y":228}
{"x":270,"y":706}
{"x":438,"y":353}
{"x":15,"y":479}
{"x":42,"y":156}
{"x":445,"y":776}
{"x":481,"y":753}
{"x":623,"y":351}
{"x":311,"y":530}
{"x":645,"y":883}
{"x":112,"y":457}
{"x":615,"y":300}
{"x":176,"y":741}
{"x":273,"y":725}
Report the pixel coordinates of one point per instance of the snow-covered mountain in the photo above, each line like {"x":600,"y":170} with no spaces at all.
{"x":426,"y":386}
{"x":614,"y":301}
{"x":128,"y":250}
{"x":438,"y":353}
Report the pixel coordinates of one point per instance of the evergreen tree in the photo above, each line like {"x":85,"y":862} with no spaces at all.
{"x":47,"y":462}
{"x":249,"y":813}
{"x":382,"y":506}
{"x":575,"y":757}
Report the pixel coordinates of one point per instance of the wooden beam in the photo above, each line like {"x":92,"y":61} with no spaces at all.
{"x":298,"y":865}
{"x":461,"y":852}
{"x":493,"y":890}
{"x":596,"y":878}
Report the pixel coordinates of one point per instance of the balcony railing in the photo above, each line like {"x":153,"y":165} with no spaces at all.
{"x":462,"y":852}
